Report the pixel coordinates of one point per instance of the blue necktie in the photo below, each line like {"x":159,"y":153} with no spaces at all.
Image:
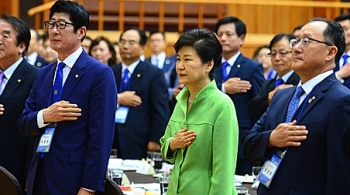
{"x":279,"y":82}
{"x":345,"y":58}
{"x":1,"y":79}
{"x":58,"y":84}
{"x":125,"y":82}
{"x":224,"y":71}
{"x":294,"y":104}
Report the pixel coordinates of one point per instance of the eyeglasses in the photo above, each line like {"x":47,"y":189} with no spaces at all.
{"x":264,"y":55}
{"x":58,"y":24}
{"x":130,"y":43}
{"x":281,"y":53}
{"x":304,"y":42}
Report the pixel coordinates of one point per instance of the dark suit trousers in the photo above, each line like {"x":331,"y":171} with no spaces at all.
{"x":40,"y":187}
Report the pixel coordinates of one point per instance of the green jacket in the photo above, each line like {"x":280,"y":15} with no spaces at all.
{"x":208,"y":165}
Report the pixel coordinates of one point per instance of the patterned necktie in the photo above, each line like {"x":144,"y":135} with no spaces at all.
{"x":125,"y":81}
{"x":279,"y":82}
{"x":157,"y":62}
{"x":345,"y":58}
{"x":294,"y":104}
{"x":224,"y":71}
{"x":1,"y":79}
{"x":58,"y":84}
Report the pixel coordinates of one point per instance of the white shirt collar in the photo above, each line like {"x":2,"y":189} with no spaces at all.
{"x":286,"y":76}
{"x":10,"y":70}
{"x":131,"y":67}
{"x":309,"y":85}
{"x":232,"y":60}
{"x":31,"y":59}
{"x":72,"y":58}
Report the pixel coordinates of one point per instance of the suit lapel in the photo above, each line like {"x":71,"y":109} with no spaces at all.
{"x":139,"y":71}
{"x":236,"y":66}
{"x":315,"y":96}
{"x":167,"y":64}
{"x":118,"y":74}
{"x":75,"y":74}
{"x":284,"y":100}
{"x":14,"y":82}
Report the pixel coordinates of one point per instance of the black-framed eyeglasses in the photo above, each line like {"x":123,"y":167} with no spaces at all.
{"x":58,"y":24}
{"x":281,"y":53}
{"x":304,"y":42}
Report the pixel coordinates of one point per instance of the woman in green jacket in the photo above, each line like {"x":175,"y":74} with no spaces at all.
{"x":201,"y":138}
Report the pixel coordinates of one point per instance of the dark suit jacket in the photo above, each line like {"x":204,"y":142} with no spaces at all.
{"x":15,"y":150}
{"x":258,"y":105}
{"x":80,"y":149}
{"x":252,"y":71}
{"x":319,"y":165}
{"x":148,"y":121}
{"x":168,"y":63}
{"x":40,"y":62}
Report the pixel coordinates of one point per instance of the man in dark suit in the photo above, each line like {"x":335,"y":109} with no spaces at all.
{"x":76,"y":97}
{"x":16,"y":79}
{"x":160,"y":59}
{"x":305,"y":130}
{"x":239,"y":77}
{"x":342,"y":70}
{"x":281,"y":58}
{"x":32,"y":55}
{"x":143,"y":109}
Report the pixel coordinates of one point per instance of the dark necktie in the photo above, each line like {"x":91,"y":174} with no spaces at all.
{"x":58,"y":84}
{"x":294,"y":104}
{"x":279,"y":82}
{"x":125,"y":82}
{"x":224,"y":71}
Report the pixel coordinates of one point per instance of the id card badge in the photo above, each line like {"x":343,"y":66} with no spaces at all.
{"x":45,"y":140}
{"x":269,"y":169}
{"x":120,"y":114}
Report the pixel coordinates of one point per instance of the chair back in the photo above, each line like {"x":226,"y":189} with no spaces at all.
{"x":112,"y":188}
{"x":8,"y":183}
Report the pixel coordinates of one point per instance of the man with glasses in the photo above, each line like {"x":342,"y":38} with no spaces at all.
{"x":281,"y":59}
{"x":239,"y":77}
{"x":300,"y":135}
{"x":70,"y":111}
{"x":342,"y":70}
{"x":143,"y":110}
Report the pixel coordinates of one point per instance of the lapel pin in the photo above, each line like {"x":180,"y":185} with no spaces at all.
{"x":38,"y":64}
{"x":238,"y":66}
{"x":55,"y":92}
{"x":76,"y":76}
{"x":312,"y":99}
{"x":138,"y":75}
{"x":167,"y":61}
{"x":19,"y":80}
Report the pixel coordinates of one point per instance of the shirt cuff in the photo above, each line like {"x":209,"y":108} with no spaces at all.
{"x":40,"y":119}
{"x":223,"y":88}
{"x":339,"y":79}
{"x":88,"y":190}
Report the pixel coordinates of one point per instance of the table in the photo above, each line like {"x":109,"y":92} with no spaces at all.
{"x":140,"y":178}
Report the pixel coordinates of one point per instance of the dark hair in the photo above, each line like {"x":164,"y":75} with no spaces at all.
{"x":37,"y":35}
{"x":333,"y":34}
{"x":143,"y":36}
{"x":206,"y":45}
{"x":297,"y":28}
{"x":240,"y":26}
{"x":156,"y":32}
{"x":256,"y":52}
{"x":111,"y":61}
{"x":77,"y":13}
{"x":21,"y":28}
{"x":342,"y":17}
{"x":280,"y":36}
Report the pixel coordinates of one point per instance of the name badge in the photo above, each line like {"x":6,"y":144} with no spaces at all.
{"x":45,"y":140}
{"x":269,"y":169}
{"x":120,"y":114}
